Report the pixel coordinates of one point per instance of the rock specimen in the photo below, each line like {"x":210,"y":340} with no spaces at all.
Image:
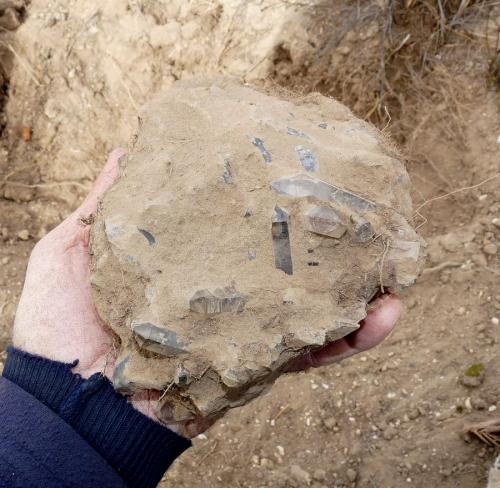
{"x":245,"y":230}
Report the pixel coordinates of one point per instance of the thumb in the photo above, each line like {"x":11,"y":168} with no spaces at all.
{"x":105,"y":179}
{"x":71,"y":231}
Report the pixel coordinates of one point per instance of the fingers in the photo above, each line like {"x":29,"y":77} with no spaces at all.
{"x":381,"y":319}
{"x":382,"y":316}
{"x":71,"y":232}
{"x":106,"y":178}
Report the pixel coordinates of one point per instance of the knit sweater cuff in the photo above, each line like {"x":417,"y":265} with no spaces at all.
{"x":138,"y":448}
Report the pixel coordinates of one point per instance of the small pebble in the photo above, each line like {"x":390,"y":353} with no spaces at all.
{"x":413,"y":414}
{"x":10,"y":19}
{"x":472,"y":381}
{"x":450,"y":242}
{"x":300,"y":474}
{"x":479,"y":404}
{"x":492,"y":408}
{"x":351,"y":475}
{"x":495,"y":320}
{"x":267,"y":463}
{"x":479,"y":259}
{"x":389,"y":433}
{"x":319,"y":475}
{"x":490,"y":248}
{"x":330,"y":423}
{"x":5,"y":260}
{"x":24,"y":235}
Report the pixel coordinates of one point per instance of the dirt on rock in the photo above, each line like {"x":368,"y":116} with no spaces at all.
{"x":426,"y":73}
{"x":245,"y":231}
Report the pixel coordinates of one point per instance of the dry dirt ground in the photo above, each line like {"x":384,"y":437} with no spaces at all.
{"x":425,"y":72}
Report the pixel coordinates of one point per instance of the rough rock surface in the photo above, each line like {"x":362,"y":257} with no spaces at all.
{"x":245,"y":230}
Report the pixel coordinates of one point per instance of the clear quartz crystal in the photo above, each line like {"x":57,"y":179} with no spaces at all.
{"x":307,"y":159}
{"x":281,"y":240}
{"x":301,"y":186}
{"x":157,"y":339}
{"x":325,"y":221}
{"x":220,"y":300}
{"x":259,"y":144}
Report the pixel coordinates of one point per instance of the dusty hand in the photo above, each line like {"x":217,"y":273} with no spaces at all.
{"x":56,"y":317}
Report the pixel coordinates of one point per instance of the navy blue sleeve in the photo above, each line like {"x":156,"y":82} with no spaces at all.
{"x":60,"y":430}
{"x":38,"y":449}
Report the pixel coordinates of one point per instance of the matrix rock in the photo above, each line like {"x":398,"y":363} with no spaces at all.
{"x":245,"y":230}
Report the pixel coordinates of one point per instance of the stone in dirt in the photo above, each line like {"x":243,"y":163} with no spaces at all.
{"x":231,"y":244}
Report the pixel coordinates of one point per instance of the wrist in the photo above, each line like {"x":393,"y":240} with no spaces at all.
{"x":133,"y":444}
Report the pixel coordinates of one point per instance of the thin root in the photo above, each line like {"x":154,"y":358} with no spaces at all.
{"x":387,"y":244}
{"x":458,"y":190}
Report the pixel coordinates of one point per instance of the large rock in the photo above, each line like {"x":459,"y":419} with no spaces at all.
{"x":244,"y":231}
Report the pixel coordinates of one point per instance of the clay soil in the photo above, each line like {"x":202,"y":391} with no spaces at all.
{"x":394,"y":416}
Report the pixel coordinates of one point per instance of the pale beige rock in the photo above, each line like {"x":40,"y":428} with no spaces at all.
{"x":205,"y":262}
{"x":24,"y":235}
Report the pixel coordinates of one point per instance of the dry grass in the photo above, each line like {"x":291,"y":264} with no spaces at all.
{"x":405,"y":66}
{"x":403,"y":69}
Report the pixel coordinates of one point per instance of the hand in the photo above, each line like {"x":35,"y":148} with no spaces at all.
{"x":56,"y":317}
{"x":383,"y":313}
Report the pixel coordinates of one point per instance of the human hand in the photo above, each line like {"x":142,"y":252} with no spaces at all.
{"x":56,"y":317}
{"x":383,"y":313}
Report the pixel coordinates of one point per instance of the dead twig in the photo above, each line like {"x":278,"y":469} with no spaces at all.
{"x":5,"y":179}
{"x":487,"y":431}
{"x":434,"y":166}
{"x":387,"y":244}
{"x":442,"y":18}
{"x":210,"y":452}
{"x":50,"y":185}
{"x":165,"y":391}
{"x":82,"y":29}
{"x":24,"y":63}
{"x":281,"y":412}
{"x":440,"y":267}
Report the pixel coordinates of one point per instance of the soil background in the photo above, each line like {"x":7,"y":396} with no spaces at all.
{"x":427,"y":74}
